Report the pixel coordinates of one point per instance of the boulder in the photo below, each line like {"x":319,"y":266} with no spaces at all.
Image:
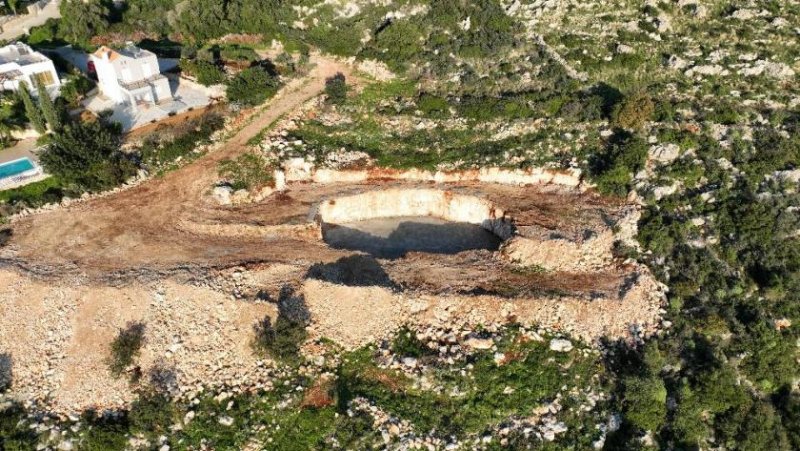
{"x":225,"y":421}
{"x":479,"y":343}
{"x":222,"y":195}
{"x":560,"y":345}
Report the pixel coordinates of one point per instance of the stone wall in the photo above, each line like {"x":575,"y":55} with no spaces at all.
{"x":299,"y":170}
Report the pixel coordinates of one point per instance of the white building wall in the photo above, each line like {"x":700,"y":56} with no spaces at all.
{"x":107,"y":79}
{"x":28,"y":72}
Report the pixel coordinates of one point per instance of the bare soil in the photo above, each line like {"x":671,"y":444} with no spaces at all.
{"x":141,"y":226}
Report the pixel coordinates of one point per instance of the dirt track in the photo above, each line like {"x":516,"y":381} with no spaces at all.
{"x":140,"y":227}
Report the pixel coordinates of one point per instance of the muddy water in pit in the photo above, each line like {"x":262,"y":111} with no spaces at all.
{"x":393,"y":237}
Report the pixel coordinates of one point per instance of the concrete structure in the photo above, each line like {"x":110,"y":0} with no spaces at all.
{"x":25,"y":148}
{"x":19,"y":62}
{"x":130,"y":76}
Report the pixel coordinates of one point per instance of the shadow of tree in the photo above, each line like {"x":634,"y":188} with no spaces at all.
{"x":6,"y":375}
{"x":283,"y":339}
{"x":5,"y":236}
{"x":163,"y":378}
{"x":353,"y":271}
{"x":125,"y":348}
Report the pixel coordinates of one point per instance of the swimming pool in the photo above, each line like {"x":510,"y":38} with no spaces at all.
{"x":16,"y":167}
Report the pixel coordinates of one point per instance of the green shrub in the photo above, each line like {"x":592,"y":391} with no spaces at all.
{"x":280,"y":341}
{"x":74,"y":90}
{"x":397,"y":44}
{"x":88,"y":156}
{"x":613,"y":168}
{"x":252,"y":86}
{"x":238,"y":53}
{"x":336,"y":88}
{"x":44,"y":34}
{"x":205,"y":72}
{"x":125,"y":347}
{"x":634,"y":111}
{"x":645,"y":402}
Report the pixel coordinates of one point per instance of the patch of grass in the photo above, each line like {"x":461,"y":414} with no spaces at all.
{"x":248,"y":171}
{"x":531,"y":374}
{"x":406,"y":344}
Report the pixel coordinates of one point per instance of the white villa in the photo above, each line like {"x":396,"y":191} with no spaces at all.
{"x":130,"y":76}
{"x":19,"y":62}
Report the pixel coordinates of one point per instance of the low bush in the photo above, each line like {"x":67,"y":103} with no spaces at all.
{"x":252,"y":86}
{"x":613,"y":168}
{"x":238,"y":53}
{"x":205,"y":72}
{"x":156,"y":153}
{"x":336,"y":88}
{"x":634,"y":111}
{"x":280,"y":341}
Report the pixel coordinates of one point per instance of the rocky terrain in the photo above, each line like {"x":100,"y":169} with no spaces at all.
{"x":634,"y":163}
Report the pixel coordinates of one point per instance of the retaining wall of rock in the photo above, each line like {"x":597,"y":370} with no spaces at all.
{"x":299,"y":170}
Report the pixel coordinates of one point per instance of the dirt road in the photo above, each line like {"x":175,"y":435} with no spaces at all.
{"x":141,"y":227}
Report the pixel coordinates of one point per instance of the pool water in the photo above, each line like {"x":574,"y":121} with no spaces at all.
{"x":15,"y":167}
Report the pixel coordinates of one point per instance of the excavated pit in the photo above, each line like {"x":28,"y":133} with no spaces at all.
{"x":390,"y":223}
{"x":394,"y":237}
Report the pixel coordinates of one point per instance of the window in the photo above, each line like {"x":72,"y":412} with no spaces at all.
{"x":45,"y":78}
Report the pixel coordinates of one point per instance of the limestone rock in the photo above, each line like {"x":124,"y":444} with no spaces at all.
{"x":560,"y":345}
